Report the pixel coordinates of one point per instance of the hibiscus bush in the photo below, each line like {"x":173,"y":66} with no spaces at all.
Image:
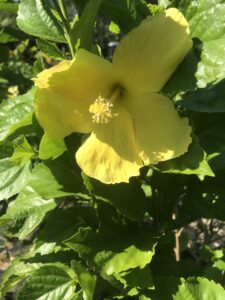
{"x":112,"y":149}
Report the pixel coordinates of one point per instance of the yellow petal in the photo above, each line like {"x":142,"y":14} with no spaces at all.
{"x":160,"y":132}
{"x":148,"y":55}
{"x":42,"y":80}
{"x":110,"y":154}
{"x":66,"y":91}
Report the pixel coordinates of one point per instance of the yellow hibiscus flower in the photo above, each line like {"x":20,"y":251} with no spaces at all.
{"x":130,"y":123}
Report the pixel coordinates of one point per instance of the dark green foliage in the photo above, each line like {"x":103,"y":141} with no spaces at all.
{"x":84,"y":240}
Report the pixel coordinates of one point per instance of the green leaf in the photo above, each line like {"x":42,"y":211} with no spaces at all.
{"x":210,"y":99}
{"x":8,"y":35}
{"x":61,"y":225}
{"x":23,"y":152}
{"x":154,"y":9}
{"x":4,"y":52}
{"x":210,"y":14}
{"x":165,"y":286}
{"x":219,"y":264}
{"x":14,"y":274}
{"x":9,"y":7}
{"x":128,"y":198}
{"x":199,"y":289}
{"x":13,"y":178}
{"x":35,"y":18}
{"x":6,"y":149}
{"x":45,"y":184}
{"x":203,"y":200}
{"x":183,"y":78}
{"x":209,"y":129}
{"x":29,"y":208}
{"x":15,"y":113}
{"x":54,"y":179}
{"x":167,"y":188}
{"x":137,"y":278}
{"x":50,"y":148}
{"x":114,"y":249}
{"x":217,"y":163}
{"x":80,"y":5}
{"x":164,"y":3}
{"x":192,"y":162}
{"x":39,"y":64}
{"x":49,"y":282}
{"x":126,"y":14}
{"x":46,"y":181}
{"x":114,"y":28}
{"x":50,"y":49}
{"x":86,"y":280}
{"x":82,"y":33}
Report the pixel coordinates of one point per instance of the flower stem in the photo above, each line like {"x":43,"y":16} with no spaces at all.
{"x":70,"y":44}
{"x":60,"y":6}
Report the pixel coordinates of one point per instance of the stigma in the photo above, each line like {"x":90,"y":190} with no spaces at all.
{"x":102,"y":110}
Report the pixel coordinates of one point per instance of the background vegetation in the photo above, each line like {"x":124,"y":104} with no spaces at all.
{"x":67,"y":236}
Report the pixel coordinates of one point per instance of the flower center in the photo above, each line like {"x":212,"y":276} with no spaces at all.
{"x":102,"y":109}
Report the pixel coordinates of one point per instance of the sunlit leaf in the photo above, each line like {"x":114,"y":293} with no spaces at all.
{"x":82,"y":33}
{"x":35,"y":18}
{"x":23,"y":152}
{"x":13,"y":177}
{"x":114,"y":250}
{"x":50,"y":148}
{"x":30,"y":209}
{"x":48,"y":180}
{"x":192,"y":162}
{"x":61,"y":225}
{"x":200,"y":289}
{"x":49,"y":282}
{"x":86,"y":280}
{"x":15,"y":113}
{"x":14,"y":274}
{"x":201,"y":15}
{"x":164,"y":3}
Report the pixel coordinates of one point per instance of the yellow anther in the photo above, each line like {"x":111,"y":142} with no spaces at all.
{"x":102,"y":110}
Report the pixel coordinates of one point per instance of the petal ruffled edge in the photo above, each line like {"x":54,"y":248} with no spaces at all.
{"x":160,"y":132}
{"x":42,"y":79}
